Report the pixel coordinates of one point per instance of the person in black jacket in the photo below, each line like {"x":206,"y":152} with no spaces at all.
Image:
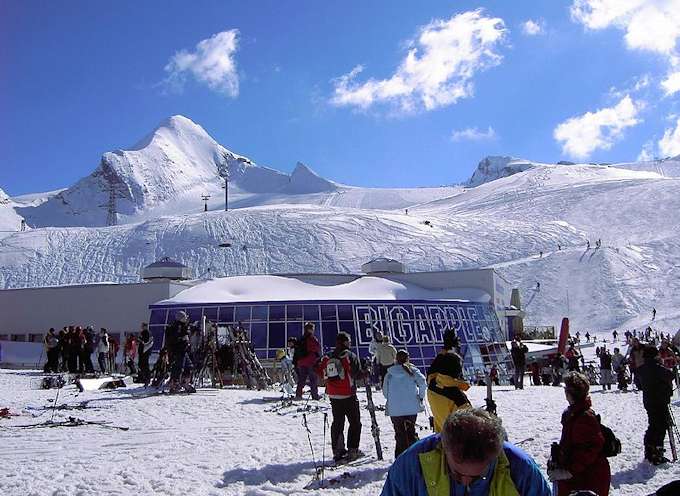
{"x":143,"y":353}
{"x":177,"y":343}
{"x":445,"y":385}
{"x":519,"y":352}
{"x":657,"y":389}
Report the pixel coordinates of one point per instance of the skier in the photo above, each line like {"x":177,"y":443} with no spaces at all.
{"x":445,"y":391}
{"x":306,"y":355}
{"x":606,"y":379}
{"x":519,"y":351}
{"x":538,"y":286}
{"x":653,"y":313}
{"x":130,"y":353}
{"x":587,"y":337}
{"x":657,"y":388}
{"x":404,"y":388}
{"x":619,"y":368}
{"x":572,"y":356}
{"x":143,"y":352}
{"x":668,"y":357}
{"x":177,"y":343}
{"x":635,"y":359}
{"x":51,"y":343}
{"x":580,"y":447}
{"x":341,"y":369}
{"x":385,"y":355}
{"x":615,"y":335}
{"x":103,"y":350}
{"x":468,"y":457}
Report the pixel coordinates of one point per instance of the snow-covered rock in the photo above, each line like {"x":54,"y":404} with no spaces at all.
{"x":495,"y":167}
{"x":9,"y":219}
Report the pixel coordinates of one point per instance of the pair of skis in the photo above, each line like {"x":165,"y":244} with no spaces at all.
{"x":673,"y":434}
{"x":375,"y":428}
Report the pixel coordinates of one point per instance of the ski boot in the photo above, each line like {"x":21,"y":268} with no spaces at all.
{"x":340,"y":457}
{"x":188,"y":387}
{"x":355,"y":454}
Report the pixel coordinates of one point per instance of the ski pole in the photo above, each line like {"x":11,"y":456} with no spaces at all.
{"x":323,"y":449}
{"x":311,"y":446}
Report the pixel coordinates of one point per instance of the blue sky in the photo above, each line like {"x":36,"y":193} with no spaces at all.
{"x":78,"y":79}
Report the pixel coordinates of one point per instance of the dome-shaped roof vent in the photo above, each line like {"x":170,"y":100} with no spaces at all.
{"x":383,"y":265}
{"x":166,"y":268}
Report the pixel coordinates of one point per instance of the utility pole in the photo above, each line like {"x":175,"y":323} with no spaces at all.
{"x":205,"y":198}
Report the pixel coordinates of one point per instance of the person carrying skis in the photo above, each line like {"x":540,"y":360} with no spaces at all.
{"x":306,"y":356}
{"x":656,"y":382}
{"x":445,"y":385}
{"x":341,"y":369}
{"x":385,"y":355}
{"x":580,"y":457}
{"x":404,"y":389}
{"x":469,"y":457}
{"x":519,"y":351}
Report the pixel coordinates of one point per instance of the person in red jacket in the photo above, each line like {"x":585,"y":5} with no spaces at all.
{"x":580,"y":448}
{"x":307,"y":353}
{"x":341,"y":369}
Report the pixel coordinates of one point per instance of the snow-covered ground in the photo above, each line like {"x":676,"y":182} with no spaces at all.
{"x":229,"y":442}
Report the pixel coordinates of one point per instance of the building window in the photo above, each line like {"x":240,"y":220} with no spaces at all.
{"x":18,"y":338}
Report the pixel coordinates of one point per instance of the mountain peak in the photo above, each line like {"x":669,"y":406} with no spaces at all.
{"x":305,"y":180}
{"x":494,"y":167}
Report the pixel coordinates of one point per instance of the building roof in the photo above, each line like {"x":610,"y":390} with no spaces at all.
{"x":165,"y":262}
{"x":241,"y":289}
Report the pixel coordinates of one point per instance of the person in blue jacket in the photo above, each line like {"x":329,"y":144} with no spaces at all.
{"x":468,"y":458}
{"x":404,"y":389}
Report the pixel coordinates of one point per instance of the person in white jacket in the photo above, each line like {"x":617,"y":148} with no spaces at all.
{"x":385,"y":355}
{"x":404,"y":388}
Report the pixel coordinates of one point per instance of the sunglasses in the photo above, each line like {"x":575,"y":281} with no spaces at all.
{"x":471,"y":479}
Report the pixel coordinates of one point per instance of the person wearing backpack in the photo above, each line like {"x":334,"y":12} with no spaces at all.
{"x":404,"y":389}
{"x":307,"y":352}
{"x":341,"y":369}
{"x":580,"y":454}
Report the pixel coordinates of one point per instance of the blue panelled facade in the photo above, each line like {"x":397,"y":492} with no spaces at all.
{"x":417,"y":326}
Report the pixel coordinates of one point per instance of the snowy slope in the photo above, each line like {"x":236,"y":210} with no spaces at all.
{"x":232,"y":443}
{"x":9,"y":219}
{"x":494,"y":167}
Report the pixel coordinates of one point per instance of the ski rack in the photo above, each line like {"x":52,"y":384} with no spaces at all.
{"x":246,"y":362}
{"x":210,"y":367}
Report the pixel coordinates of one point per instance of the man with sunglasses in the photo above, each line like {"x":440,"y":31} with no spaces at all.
{"x":468,"y":458}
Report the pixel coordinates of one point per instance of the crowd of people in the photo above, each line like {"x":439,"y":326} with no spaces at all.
{"x":468,"y":452}
{"x":71,"y":350}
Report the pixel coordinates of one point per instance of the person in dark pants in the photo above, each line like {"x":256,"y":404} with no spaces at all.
{"x":519,"y":351}
{"x":87,"y":349}
{"x":144,"y":352}
{"x":404,"y":388}
{"x":73,"y":343}
{"x":177,"y":343}
{"x":52,"y":350}
{"x":63,"y":349}
{"x":341,"y":370}
{"x":307,"y":352}
{"x":656,"y":382}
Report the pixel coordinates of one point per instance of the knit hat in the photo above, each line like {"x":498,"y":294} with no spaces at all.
{"x":181,"y":316}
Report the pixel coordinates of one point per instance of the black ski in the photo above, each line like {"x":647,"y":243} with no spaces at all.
{"x":72,"y":422}
{"x":672,"y":431}
{"x":375,"y":428}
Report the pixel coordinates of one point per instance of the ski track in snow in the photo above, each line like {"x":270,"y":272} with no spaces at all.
{"x":225,"y":442}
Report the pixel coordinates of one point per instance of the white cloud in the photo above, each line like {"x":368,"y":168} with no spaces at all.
{"x":671,"y":84}
{"x":473,"y":134}
{"x":211,"y":62}
{"x":669,"y":144}
{"x":582,"y":135}
{"x":652,"y":25}
{"x":437,"y":70}
{"x":647,"y":152}
{"x":532,"y":28}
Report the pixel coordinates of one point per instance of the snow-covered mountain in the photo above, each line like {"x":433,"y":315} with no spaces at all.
{"x":169,"y":171}
{"x":530,"y":220}
{"x":494,"y":167}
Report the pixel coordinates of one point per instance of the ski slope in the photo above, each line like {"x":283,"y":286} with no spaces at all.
{"x":226,"y":442}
